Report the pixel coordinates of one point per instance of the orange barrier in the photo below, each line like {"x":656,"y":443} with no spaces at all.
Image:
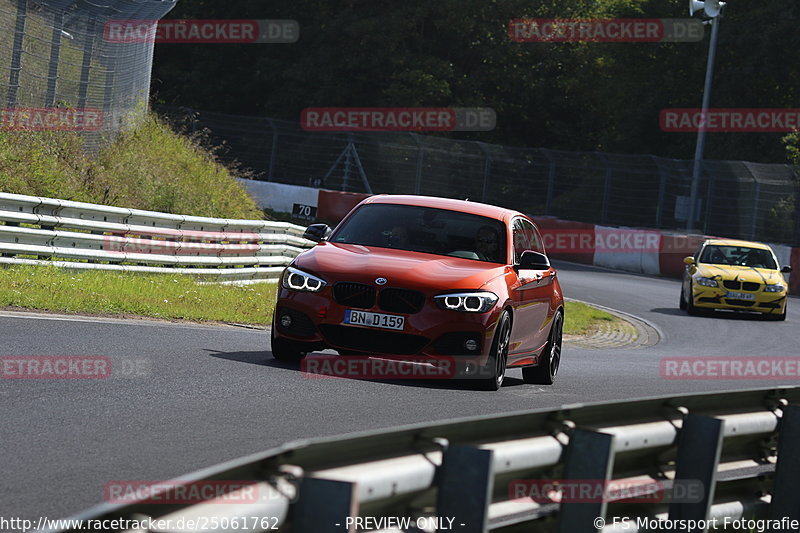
{"x":794,"y":279}
{"x":332,"y":206}
{"x":674,"y":247}
{"x":567,"y":240}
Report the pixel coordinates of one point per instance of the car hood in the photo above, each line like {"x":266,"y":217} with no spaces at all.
{"x":741,"y":273}
{"x":349,"y":262}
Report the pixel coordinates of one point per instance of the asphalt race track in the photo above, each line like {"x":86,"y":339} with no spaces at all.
{"x":193,"y":396}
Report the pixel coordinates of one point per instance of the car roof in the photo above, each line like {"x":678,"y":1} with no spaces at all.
{"x":463,"y":206}
{"x":736,"y":242}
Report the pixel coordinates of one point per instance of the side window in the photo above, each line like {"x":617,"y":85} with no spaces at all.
{"x":536,"y":240}
{"x":525,"y":238}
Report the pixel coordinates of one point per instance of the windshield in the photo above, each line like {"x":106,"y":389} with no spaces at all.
{"x":427,"y":230}
{"x":738,"y":256}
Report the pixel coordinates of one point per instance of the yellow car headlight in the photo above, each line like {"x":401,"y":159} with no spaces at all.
{"x":775,"y":288}
{"x":706,"y":282}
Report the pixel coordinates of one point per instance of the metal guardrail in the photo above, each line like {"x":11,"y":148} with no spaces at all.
{"x":740,"y":450}
{"x":46,"y":231}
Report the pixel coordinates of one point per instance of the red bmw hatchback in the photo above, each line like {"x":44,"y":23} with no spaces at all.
{"x":426,"y":277}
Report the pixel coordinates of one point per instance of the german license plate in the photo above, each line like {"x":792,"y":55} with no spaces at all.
{"x":373,"y":320}
{"x":740,"y":296}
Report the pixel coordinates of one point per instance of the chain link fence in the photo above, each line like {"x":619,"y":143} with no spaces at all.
{"x":56,"y":56}
{"x":737,"y":199}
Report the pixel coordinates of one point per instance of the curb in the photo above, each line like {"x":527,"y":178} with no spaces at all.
{"x":634,"y":332}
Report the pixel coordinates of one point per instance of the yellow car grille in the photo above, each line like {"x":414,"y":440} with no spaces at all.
{"x":739,"y":286}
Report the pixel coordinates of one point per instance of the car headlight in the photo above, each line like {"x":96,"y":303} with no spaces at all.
{"x":469,"y":302}
{"x":297,"y":280}
{"x":775,"y":288}
{"x":706,"y":282}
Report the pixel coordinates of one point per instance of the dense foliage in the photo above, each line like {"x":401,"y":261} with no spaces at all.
{"x":148,"y":167}
{"x":580,"y":96}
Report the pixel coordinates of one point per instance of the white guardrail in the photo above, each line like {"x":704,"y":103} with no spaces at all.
{"x":76,"y":235}
{"x":681,"y":463}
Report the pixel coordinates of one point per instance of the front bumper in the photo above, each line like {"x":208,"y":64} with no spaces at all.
{"x":317,"y":319}
{"x":761,"y":302}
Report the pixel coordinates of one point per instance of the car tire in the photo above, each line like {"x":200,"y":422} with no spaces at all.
{"x":498,"y":358}
{"x":286,"y":350}
{"x":690,"y":307}
{"x":682,"y":303}
{"x":545,"y":372}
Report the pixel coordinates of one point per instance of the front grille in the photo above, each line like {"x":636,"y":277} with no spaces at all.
{"x":354,"y":295}
{"x":401,"y":300}
{"x":372,"y":341}
{"x":738,"y":286}
{"x":302,"y":325}
{"x":740,"y":303}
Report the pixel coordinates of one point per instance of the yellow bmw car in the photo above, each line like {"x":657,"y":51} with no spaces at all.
{"x":734,"y":275}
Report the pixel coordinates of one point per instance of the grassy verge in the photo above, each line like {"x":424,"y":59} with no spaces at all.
{"x":122,"y":294}
{"x":174,"y":297}
{"x":581,"y":319}
{"x":149,"y":167}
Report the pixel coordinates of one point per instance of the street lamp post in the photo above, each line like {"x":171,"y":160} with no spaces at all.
{"x":713,"y":9}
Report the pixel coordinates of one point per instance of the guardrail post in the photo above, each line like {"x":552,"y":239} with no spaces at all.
{"x":324,"y":505}
{"x":589,"y":457}
{"x":699,"y":447}
{"x":785,"y":496}
{"x":465,"y":482}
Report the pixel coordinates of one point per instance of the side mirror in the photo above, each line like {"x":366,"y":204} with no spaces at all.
{"x":688,"y":260}
{"x":531,"y":260}
{"x":317,"y":232}
{"x":786,"y":269}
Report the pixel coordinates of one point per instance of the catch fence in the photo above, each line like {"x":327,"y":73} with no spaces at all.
{"x":737,"y":198}
{"x":56,"y":55}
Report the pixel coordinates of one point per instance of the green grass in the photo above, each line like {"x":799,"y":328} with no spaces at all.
{"x":581,"y":319}
{"x":149,"y":167}
{"x":123,"y":294}
{"x":174,"y":297}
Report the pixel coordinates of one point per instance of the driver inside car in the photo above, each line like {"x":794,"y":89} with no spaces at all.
{"x":486,"y":242}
